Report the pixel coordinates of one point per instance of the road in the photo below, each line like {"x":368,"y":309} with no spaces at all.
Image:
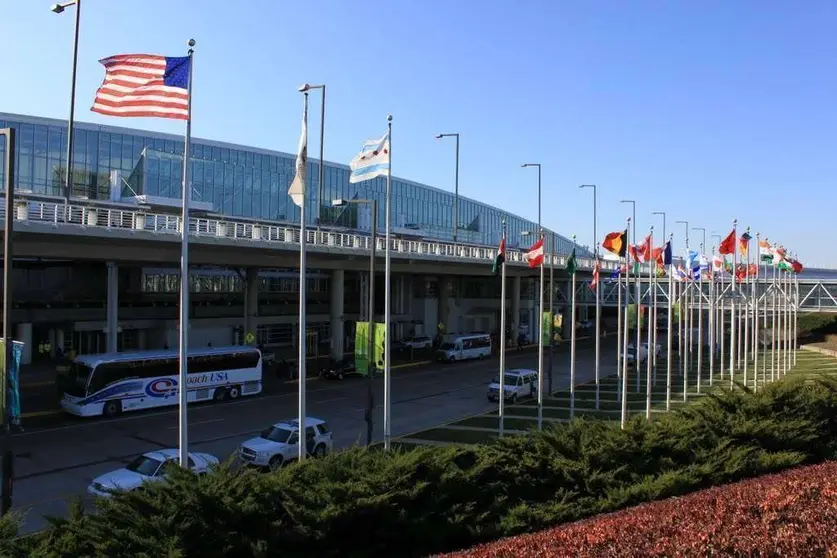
{"x":58,"y":461}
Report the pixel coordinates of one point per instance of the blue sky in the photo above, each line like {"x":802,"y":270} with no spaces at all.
{"x":708,"y":110}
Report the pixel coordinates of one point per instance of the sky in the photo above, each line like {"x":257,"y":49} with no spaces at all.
{"x":707,"y":110}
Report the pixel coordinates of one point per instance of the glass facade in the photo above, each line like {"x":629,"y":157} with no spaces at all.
{"x":240,"y":182}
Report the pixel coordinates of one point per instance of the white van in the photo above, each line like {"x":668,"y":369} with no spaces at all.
{"x":516,"y":384}
{"x":464,"y":347}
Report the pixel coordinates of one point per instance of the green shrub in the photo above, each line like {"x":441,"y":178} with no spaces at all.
{"x":412,"y":503}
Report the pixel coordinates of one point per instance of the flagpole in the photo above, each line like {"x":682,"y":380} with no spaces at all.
{"x":637,"y":303}
{"x":713,"y":319}
{"x":774,"y":362}
{"x":755,"y":299}
{"x":387,"y":301}
{"x":746,"y":339}
{"x":572,"y":340}
{"x":624,"y":417}
{"x":502,"y":397}
{"x":700,"y":314}
{"x":649,"y":320}
{"x":669,"y":333}
{"x":303,"y":287}
{"x":764,"y":319}
{"x":687,"y":334}
{"x":788,"y":304}
{"x":619,"y":332}
{"x":722,"y":322}
{"x":598,"y":322}
{"x":795,"y":316}
{"x":732,"y":340}
{"x":183,"y":360}
{"x":540,"y":338}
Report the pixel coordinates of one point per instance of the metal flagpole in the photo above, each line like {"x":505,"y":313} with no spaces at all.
{"x":303,"y":296}
{"x":540,"y":340}
{"x":746,"y":337}
{"x":669,"y":332}
{"x":764,"y":319}
{"x":598,"y":323}
{"x":754,"y":296}
{"x":788,"y":304}
{"x":387,"y":301}
{"x":712,"y":319}
{"x":732,"y":339}
{"x":700,"y":316}
{"x":687,"y":337}
{"x":572,"y":342}
{"x":795,"y":317}
{"x":624,"y":417}
{"x":651,"y":348}
{"x":638,"y":305}
{"x":502,"y":398}
{"x":774,"y":362}
{"x":620,"y":356}
{"x":722,"y":322}
{"x":183,"y":360}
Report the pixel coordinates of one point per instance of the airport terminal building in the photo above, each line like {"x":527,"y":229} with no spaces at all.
{"x":66,"y":304}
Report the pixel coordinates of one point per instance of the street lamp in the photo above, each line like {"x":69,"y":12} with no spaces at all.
{"x":663,"y":213}
{"x":370,"y":395}
{"x":687,"y":231}
{"x":456,"y":186}
{"x":540,"y":305}
{"x":305,"y":88}
{"x":59,"y":8}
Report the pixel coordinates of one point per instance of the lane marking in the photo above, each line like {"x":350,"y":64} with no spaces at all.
{"x":191,"y":424}
{"x":331,"y":400}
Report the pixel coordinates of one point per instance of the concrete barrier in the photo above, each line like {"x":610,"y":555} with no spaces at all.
{"x":821,"y":350}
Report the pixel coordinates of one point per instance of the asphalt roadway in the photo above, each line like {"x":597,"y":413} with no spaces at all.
{"x":57,"y":459}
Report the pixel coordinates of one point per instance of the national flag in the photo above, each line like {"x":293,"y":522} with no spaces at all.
{"x":372,"y":161}
{"x":661,"y":270}
{"x":657,"y":254}
{"x":500,"y":258}
{"x":642,"y":252}
{"x":728,"y":244}
{"x":744,"y":244}
{"x":595,"y":280}
{"x":297,"y":188}
{"x":778,"y":255}
{"x":144,"y":85}
{"x":572,"y":264}
{"x":797,"y":266}
{"x":717,"y":263}
{"x":616,"y":243}
{"x":785,"y":265}
{"x":678,"y":274}
{"x":765,"y":251}
{"x":535,"y":254}
{"x":667,"y":254}
{"x":692,"y":259}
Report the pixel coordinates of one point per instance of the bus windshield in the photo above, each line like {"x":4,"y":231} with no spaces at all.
{"x":77,"y":379}
{"x":448,"y":346}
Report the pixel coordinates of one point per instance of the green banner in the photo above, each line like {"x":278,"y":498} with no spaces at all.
{"x":675,"y":312}
{"x":546,"y":328}
{"x":632,"y":316}
{"x":362,"y":348}
{"x":378,"y":347}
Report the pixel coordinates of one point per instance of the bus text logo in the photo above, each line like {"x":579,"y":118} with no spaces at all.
{"x":162,"y":387}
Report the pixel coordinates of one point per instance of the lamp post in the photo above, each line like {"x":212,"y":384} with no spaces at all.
{"x":598,"y":302}
{"x":8,"y":257}
{"x":59,"y":8}
{"x":370,"y":393}
{"x":540,"y":305}
{"x":305,"y":89}
{"x":456,"y":187}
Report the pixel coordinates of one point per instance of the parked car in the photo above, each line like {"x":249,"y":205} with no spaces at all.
{"x":517,"y":384}
{"x":418,"y":343}
{"x":279,"y":444}
{"x":148,"y":467}
{"x":338,"y":369}
{"x":643,"y":354}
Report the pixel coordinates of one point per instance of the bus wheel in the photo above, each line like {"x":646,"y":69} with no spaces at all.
{"x":234,"y":392}
{"x":112,"y":408}
{"x":220,"y":394}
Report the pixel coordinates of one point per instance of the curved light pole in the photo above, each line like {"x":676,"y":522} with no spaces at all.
{"x":59,"y":8}
{"x":456,"y":187}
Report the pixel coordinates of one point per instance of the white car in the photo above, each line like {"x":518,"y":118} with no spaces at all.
{"x":643,"y":354}
{"x":279,"y":444}
{"x":658,"y":349}
{"x":418,"y":343}
{"x":148,"y":467}
{"x":516,"y":384}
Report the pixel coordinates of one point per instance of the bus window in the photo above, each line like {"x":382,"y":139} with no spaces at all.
{"x":77,"y":379}
{"x":108,"y":373}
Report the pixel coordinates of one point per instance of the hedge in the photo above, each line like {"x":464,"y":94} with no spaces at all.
{"x":414,"y":503}
{"x":790,"y":514}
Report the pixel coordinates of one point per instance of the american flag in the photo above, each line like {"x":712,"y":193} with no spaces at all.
{"x":144,"y":85}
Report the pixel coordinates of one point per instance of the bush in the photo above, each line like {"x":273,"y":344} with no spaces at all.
{"x":367,"y":503}
{"x":792,"y":514}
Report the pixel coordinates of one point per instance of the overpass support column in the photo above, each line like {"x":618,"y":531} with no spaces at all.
{"x":515,"y":308}
{"x":251,"y":304}
{"x":112,"y":307}
{"x":338,"y":284}
{"x":444,"y":304}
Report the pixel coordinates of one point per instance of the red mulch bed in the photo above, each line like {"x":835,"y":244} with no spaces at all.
{"x":790,"y":514}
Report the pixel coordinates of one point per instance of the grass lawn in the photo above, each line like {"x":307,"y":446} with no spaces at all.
{"x":455,"y":436}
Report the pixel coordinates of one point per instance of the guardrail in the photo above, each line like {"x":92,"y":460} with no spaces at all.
{"x":104,"y":218}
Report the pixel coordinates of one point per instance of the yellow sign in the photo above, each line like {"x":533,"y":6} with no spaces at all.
{"x":249,"y":338}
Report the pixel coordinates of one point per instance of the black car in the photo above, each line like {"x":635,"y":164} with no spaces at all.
{"x":337,"y":370}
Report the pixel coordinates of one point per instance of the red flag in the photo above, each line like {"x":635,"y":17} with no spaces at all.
{"x":595,"y":280}
{"x":657,"y":254}
{"x":728,"y":244}
{"x":797,"y":266}
{"x":535,"y":254}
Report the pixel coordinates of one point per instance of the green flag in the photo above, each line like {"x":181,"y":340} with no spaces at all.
{"x":572,"y":265}
{"x":362,"y":347}
{"x":546,"y":328}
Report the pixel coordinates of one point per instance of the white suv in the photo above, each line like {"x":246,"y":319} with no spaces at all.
{"x":279,"y":444}
{"x":517,"y":383}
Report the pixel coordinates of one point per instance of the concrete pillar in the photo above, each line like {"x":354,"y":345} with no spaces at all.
{"x":112,"y":306}
{"x":443,"y":314}
{"x":338,"y":285}
{"x":23,"y":333}
{"x":251,"y":302}
{"x":515,"y":307}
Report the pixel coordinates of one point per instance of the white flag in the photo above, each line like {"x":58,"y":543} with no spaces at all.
{"x":297,"y":189}
{"x":372,"y":161}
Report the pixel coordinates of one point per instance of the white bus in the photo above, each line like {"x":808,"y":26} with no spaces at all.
{"x":464,"y":347}
{"x":108,"y":384}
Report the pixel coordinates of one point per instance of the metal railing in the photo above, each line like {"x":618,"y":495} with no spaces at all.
{"x":100,"y":218}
